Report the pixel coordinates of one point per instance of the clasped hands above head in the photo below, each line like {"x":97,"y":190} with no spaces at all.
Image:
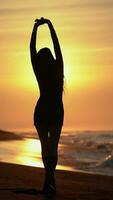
{"x":42,"y":21}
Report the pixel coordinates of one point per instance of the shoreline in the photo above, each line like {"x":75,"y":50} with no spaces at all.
{"x":79,"y":153}
{"x":16,"y":182}
{"x":60,"y":167}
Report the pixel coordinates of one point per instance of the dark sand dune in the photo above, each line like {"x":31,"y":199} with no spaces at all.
{"x":7,"y":135}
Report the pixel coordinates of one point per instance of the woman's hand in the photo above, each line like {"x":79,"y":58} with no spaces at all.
{"x":42,"y":21}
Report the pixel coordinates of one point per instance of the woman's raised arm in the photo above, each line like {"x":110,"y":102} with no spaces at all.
{"x":33,"y":51}
{"x":33,"y":44}
{"x":56,"y":44}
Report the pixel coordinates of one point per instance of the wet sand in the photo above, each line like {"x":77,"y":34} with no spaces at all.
{"x":18,"y":182}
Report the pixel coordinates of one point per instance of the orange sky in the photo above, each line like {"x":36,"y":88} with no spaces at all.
{"x":85,"y":31}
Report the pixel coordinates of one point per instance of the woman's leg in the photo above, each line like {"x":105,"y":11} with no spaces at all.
{"x":52,"y":157}
{"x":54,"y":136}
{"x":43,"y":136}
{"x":49,"y":139}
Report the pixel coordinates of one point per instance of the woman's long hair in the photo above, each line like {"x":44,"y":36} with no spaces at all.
{"x":48,"y":70}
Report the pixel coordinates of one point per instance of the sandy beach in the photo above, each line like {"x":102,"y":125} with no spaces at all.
{"x":22,"y":182}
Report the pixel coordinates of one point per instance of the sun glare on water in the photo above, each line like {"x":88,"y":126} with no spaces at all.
{"x":31,"y":153}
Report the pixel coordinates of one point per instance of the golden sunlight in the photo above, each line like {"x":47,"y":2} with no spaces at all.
{"x":31,"y":147}
{"x":85,"y":35}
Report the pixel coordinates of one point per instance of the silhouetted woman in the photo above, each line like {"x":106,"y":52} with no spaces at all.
{"x":49,"y":112}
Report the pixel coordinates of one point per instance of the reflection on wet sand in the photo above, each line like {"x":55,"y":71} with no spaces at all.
{"x":30,"y":153}
{"x":25,"y":152}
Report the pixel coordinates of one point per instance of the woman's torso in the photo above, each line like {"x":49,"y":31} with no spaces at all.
{"x":49,"y":107}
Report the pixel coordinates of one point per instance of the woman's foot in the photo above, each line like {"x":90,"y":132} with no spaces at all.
{"x":50,"y":189}
{"x":49,"y":186}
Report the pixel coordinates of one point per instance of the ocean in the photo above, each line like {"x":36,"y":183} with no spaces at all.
{"x":87,"y":151}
